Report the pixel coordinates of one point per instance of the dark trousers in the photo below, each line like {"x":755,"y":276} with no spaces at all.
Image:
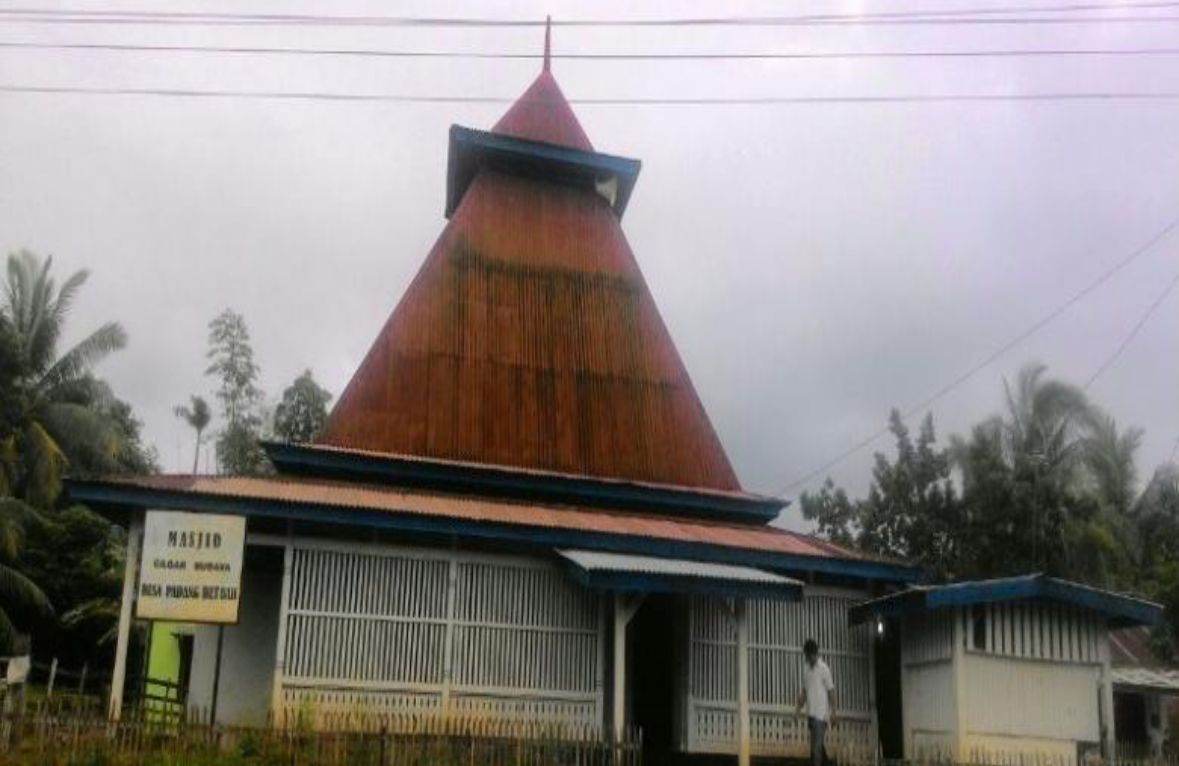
{"x":818,"y":730}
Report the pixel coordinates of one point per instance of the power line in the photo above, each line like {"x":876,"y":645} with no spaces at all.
{"x":445,"y":54}
{"x":993,"y":356}
{"x":1144,"y":96}
{"x":1109,"y":361}
{"x":993,"y":15}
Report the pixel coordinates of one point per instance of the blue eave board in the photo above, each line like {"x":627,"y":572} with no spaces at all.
{"x":122,"y":498}
{"x":1118,"y":609}
{"x":471,"y":150}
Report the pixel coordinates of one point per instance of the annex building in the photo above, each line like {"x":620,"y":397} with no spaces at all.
{"x":520,"y":509}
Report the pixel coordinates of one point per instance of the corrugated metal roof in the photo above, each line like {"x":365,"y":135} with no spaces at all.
{"x":346,"y":495}
{"x":543,"y":114}
{"x":1119,"y":609}
{"x":1131,"y":647}
{"x":529,"y":338}
{"x":1146,"y":678}
{"x":600,"y":561}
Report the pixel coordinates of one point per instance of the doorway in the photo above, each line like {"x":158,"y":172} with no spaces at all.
{"x":652,"y":662}
{"x":887,"y":646}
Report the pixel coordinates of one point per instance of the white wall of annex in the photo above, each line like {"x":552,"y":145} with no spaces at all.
{"x":928,"y":708}
{"x":1030,"y":698}
{"x":248,"y":655}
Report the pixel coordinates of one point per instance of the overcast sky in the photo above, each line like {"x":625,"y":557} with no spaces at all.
{"x":816,"y":264}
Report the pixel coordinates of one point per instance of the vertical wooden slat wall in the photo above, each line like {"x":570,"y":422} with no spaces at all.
{"x":385,"y":630}
{"x":1051,"y":632}
{"x":777,"y":633}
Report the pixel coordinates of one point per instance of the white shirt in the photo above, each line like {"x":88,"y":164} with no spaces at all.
{"x":818,"y":684}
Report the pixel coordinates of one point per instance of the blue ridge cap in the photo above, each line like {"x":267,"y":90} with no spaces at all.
{"x":470,"y":150}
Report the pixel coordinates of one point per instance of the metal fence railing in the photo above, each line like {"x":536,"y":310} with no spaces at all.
{"x":47,"y":737}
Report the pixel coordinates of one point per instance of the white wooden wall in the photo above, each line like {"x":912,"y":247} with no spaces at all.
{"x":378,"y":629}
{"x":1036,"y":631}
{"x":1023,"y":681}
{"x":247,"y":655}
{"x":1033,"y":685}
{"x":777,"y":633}
{"x":928,"y":714}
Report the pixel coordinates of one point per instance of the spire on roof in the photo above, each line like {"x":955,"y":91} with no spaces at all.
{"x":542,"y":113}
{"x":548,"y":42}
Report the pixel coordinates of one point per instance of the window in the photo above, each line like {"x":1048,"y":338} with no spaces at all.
{"x":978,"y":615}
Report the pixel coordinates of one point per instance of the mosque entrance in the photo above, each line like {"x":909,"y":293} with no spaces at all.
{"x":887,"y":646}
{"x":652,"y":652}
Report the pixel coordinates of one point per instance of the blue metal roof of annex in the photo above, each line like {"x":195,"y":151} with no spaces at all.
{"x":1119,"y":609}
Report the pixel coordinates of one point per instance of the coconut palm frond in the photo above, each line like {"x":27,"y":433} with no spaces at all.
{"x":78,"y":360}
{"x":30,"y":295}
{"x":9,"y":635}
{"x":15,"y":518}
{"x":91,"y":438}
{"x":1055,"y":401}
{"x":44,"y":464}
{"x":9,"y":465}
{"x":20,"y":293}
{"x":71,"y":423}
{"x":94,"y":610}
{"x":16,"y":589}
{"x":69,"y":289}
{"x":1108,"y":456}
{"x":197,"y":415}
{"x":82,"y":390}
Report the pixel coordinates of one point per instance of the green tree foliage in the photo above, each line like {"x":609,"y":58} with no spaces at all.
{"x":1156,"y":516}
{"x":302,"y":413}
{"x":20,"y":597}
{"x":231,"y":361}
{"x":836,"y":517}
{"x":1048,"y":485}
{"x":59,"y":414}
{"x":198,"y":416}
{"x":77,"y":557}
{"x":911,"y":510}
{"x":12,"y":407}
{"x":56,"y":416}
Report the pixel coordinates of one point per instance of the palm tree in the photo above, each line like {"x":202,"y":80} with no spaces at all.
{"x":16,"y":590}
{"x":62,"y":411}
{"x":1109,"y":461}
{"x":1045,"y":422}
{"x":1020,"y":472}
{"x":198,"y":416}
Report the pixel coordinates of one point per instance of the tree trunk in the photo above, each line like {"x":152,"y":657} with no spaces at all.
{"x":196,"y":453}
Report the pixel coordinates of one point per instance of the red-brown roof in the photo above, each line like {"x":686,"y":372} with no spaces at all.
{"x":1130,"y":647}
{"x":369,"y":497}
{"x":530,"y":339}
{"x":543,"y":114}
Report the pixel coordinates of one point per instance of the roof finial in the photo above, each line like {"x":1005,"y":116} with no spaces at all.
{"x":548,"y":29}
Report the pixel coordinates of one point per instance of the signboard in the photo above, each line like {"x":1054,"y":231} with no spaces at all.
{"x":191,"y":569}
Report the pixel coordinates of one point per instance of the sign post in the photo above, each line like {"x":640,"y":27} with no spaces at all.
{"x":191,"y":571}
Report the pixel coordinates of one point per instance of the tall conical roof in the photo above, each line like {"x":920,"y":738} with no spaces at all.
{"x":530,"y":339}
{"x":543,"y":113}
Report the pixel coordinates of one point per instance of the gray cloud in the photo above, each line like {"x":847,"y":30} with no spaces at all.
{"x":816,"y":264}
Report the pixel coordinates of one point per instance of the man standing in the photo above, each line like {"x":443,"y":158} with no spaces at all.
{"x":818,"y":694}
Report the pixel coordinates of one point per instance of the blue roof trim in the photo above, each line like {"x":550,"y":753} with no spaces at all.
{"x":1120,"y":610}
{"x":635,"y":582}
{"x":122,"y":497}
{"x":473,"y":149}
{"x":301,"y":460}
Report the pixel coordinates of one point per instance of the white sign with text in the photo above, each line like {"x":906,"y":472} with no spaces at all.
{"x":191,"y":568}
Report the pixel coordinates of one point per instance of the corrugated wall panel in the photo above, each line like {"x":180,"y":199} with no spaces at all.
{"x":532,"y":289}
